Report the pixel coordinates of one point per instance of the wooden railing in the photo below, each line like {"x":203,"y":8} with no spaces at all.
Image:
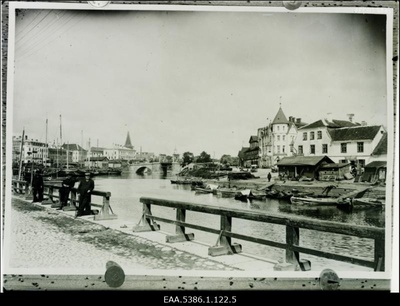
{"x":292,"y":227}
{"x":53,"y":198}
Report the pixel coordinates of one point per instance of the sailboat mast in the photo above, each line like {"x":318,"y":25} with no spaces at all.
{"x":46,"y":150}
{"x":61,"y":143}
{"x":20,"y":155}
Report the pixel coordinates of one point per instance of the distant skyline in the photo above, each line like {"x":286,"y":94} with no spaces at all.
{"x":192,"y":81}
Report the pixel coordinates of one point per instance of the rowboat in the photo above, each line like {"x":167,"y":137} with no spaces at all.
{"x":329,"y":201}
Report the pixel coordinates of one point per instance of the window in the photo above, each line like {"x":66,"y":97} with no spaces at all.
{"x":324,"y":148}
{"x":283,"y":149}
{"x":278,"y":149}
{"x":343,"y":147}
{"x":319,"y":134}
{"x":361,"y":162}
{"x":360,"y":147}
{"x":300,"y":150}
{"x":312,"y":134}
{"x":312,"y":149}
{"x":305,"y":136}
{"x":283,"y":137}
{"x":278,"y":138}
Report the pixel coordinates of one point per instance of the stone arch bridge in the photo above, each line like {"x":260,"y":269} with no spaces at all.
{"x":159,"y":167}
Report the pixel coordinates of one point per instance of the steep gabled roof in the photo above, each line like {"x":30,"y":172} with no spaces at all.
{"x":330,"y":124}
{"x":128,"y":143}
{"x":381,"y":147}
{"x":280,"y":117}
{"x":354,"y":133}
{"x":253,"y":139}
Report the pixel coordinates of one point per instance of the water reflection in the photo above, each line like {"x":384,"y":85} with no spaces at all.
{"x":127,"y":189}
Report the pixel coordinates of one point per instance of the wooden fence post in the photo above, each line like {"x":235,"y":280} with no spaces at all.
{"x":146,"y":223}
{"x":292,"y":238}
{"x":379,"y":253}
{"x":106,"y":212}
{"x":28,"y":192}
{"x":180,"y":234}
{"x":57,"y":203}
{"x":49,"y":199}
{"x":224,"y":245}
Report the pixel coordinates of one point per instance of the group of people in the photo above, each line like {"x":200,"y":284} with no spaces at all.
{"x":85,"y":189}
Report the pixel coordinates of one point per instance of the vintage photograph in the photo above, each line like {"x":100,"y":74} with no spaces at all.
{"x":195,"y":141}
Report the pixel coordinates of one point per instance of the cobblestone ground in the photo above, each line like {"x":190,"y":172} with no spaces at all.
{"x":41,"y":238}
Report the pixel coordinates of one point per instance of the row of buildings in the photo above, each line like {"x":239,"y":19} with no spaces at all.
{"x":29,"y":150}
{"x":343,"y":141}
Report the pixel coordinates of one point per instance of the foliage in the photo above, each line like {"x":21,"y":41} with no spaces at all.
{"x":188,"y":158}
{"x":204,"y":158}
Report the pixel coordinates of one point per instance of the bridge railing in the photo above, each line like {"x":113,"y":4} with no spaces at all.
{"x":52,"y":192}
{"x":292,"y":226}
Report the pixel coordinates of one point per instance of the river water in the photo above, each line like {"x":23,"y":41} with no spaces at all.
{"x":127,"y":189}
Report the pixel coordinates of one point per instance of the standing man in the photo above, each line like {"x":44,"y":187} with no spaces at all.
{"x":85,"y":189}
{"x":66,"y":186}
{"x":269,"y":176}
{"x":37,"y":186}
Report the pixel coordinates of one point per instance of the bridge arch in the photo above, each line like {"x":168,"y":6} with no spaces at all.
{"x":143,"y":169}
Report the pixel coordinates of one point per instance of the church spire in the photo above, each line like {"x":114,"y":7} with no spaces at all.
{"x":128,"y":143}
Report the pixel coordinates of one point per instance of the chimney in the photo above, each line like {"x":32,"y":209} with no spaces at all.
{"x":363,"y":123}
{"x":350,"y":117}
{"x":298,"y":120}
{"x":290,"y":119}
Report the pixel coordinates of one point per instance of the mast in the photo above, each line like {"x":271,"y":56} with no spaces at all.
{"x":46,"y":145}
{"x":80,"y":150}
{"x":90,"y":158}
{"x":20,"y":154}
{"x":61,"y":143}
{"x":67,"y":153}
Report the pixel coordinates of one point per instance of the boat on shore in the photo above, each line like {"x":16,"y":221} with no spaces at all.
{"x":307,"y":200}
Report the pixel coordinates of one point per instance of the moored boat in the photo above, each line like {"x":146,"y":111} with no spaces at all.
{"x":307,"y":200}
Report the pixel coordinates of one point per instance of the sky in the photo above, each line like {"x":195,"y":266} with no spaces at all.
{"x":191,"y":81}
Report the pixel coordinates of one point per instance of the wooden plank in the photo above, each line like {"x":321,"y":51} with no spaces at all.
{"x":301,"y":222}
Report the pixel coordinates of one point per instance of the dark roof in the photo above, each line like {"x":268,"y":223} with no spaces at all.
{"x":354,"y":133}
{"x":72,"y":147}
{"x":376,"y":164}
{"x":303,"y":160}
{"x":280,"y":117}
{"x":241,"y":152}
{"x":99,"y":158}
{"x":97,"y":149}
{"x":253,"y":139}
{"x":335,"y":165}
{"x":128,"y":143}
{"x":330,"y":124}
{"x":381,"y":147}
{"x":252,"y":149}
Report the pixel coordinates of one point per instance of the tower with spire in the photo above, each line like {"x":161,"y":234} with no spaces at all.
{"x":284,"y":133}
{"x":128,"y":143}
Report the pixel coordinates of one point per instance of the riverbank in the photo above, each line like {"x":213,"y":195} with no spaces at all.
{"x":317,"y":187}
{"x":43,"y":240}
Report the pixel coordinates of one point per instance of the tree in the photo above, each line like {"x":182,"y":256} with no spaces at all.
{"x":204,"y":158}
{"x":188,"y":158}
{"x":226,"y":159}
